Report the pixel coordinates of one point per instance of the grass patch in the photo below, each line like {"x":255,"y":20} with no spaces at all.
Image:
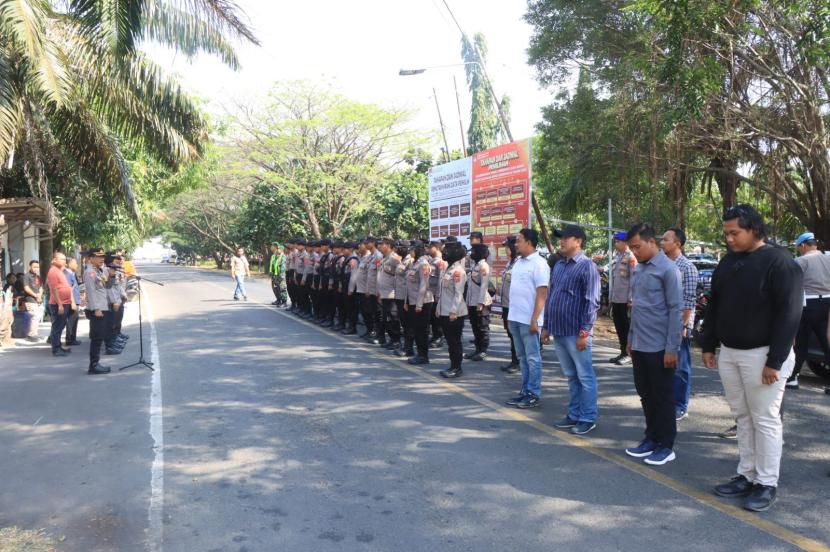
{"x":13,"y":539}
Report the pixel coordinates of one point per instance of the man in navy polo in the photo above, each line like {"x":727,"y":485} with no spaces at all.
{"x":570,"y":314}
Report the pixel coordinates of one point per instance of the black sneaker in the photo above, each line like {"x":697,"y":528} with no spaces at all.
{"x":510,"y":368}
{"x":418,"y":360}
{"x":515,"y":400}
{"x":450,"y":374}
{"x":761,"y":498}
{"x":73,"y":343}
{"x":736,"y":487}
{"x":581,"y":428}
{"x":478,"y":357}
{"x":529,"y":401}
{"x":98,"y":369}
{"x":60,"y":353}
{"x":624,"y":360}
{"x":565,"y":423}
{"x":471,"y":354}
{"x":616,"y":358}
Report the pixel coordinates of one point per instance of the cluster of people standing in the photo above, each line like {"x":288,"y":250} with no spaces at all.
{"x":414,"y":295}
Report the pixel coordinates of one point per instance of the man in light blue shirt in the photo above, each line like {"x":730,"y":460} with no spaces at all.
{"x":71,"y":271}
{"x":654,"y":341}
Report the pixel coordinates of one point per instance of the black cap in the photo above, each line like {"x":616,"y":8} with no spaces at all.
{"x":478,"y":235}
{"x":94,"y":252}
{"x":299,"y":241}
{"x":437,"y":243}
{"x":451,"y":239}
{"x":571,"y":231}
{"x":325,"y":241}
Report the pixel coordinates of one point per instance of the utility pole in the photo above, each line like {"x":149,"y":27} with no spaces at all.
{"x":536,"y":210}
{"x":460,"y":122}
{"x":441,"y":120}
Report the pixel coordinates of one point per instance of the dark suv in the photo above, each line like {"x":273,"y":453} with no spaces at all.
{"x":815,"y":359}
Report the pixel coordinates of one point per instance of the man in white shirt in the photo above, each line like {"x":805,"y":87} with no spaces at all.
{"x":239,"y":270}
{"x":528,"y":292}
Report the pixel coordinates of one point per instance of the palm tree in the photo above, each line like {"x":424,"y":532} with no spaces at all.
{"x":75,"y":90}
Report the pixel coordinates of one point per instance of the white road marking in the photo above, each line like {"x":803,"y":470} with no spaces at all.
{"x":156,"y":509}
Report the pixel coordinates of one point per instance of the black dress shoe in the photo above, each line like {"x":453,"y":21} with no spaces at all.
{"x":98,"y":369}
{"x":436,"y":343}
{"x":349,"y":331}
{"x":409,"y":352}
{"x":761,"y":498}
{"x":450,"y":374}
{"x":736,"y":487}
{"x":73,"y":343}
{"x":479,"y":356}
{"x":510,"y":368}
{"x":60,"y":353}
{"x":416,"y":360}
{"x":471,"y":354}
{"x":113,"y":351}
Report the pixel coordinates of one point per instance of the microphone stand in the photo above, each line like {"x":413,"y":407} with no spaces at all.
{"x":141,"y":362}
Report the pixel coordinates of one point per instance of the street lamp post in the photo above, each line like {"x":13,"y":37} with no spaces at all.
{"x":536,"y":210}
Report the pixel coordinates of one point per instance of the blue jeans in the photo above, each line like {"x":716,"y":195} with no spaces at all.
{"x":683,"y":376}
{"x":240,"y":287}
{"x":58,"y":324}
{"x":529,"y":351}
{"x":582,"y":382}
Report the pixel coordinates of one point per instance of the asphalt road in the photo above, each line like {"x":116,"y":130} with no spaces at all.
{"x":267,"y":433}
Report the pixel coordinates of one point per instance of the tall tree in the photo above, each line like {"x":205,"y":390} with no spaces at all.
{"x":324,"y":150}
{"x":486,"y":130}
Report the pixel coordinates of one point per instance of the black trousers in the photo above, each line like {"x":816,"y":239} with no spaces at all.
{"x":310,"y":296}
{"x":480,"y":322}
{"x":420,"y":322}
{"x":406,"y":328}
{"x":58,"y":324}
{"x":370,"y":313}
{"x":324,"y":300}
{"x":72,"y":326}
{"x":98,"y":333}
{"x":813,"y":322}
{"x":655,"y":385}
{"x":513,"y":358}
{"x":118,"y":320}
{"x":350,"y":310}
{"x":622,"y":323}
{"x":391,"y":323}
{"x":435,"y":326}
{"x":289,"y":285}
{"x":453,"y":329}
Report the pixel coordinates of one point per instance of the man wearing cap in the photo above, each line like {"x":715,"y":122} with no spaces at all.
{"x":290,"y":272}
{"x":403,"y":250}
{"x":276,"y":268}
{"x":378,"y":336}
{"x":335,"y":314}
{"x":620,"y":294}
{"x":570,"y":315}
{"x":513,"y":366}
{"x":361,"y":284}
{"x":117,"y":296}
{"x":96,"y":283}
{"x":437,"y":266}
{"x":419,"y":302}
{"x":816,"y":309}
{"x":478,"y":301}
{"x":351,"y":274}
{"x":304,"y":269}
{"x":386,"y":295}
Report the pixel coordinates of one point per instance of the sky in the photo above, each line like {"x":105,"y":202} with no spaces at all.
{"x":359,"y":46}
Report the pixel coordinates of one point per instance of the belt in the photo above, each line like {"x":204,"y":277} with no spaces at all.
{"x":819,"y":297}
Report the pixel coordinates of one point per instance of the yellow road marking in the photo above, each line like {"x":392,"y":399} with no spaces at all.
{"x":705,"y":498}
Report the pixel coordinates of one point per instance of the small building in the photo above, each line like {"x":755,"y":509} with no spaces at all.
{"x":25,"y":233}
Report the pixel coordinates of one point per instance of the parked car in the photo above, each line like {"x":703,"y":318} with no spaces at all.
{"x":815,"y":359}
{"x":705,"y":265}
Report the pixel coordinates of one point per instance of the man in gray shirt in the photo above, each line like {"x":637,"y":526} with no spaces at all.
{"x":814,"y":316}
{"x":654,"y":341}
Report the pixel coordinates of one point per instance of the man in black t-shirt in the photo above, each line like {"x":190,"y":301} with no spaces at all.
{"x":753,"y":314}
{"x":33,"y":297}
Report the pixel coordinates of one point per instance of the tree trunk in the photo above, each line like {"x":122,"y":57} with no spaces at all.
{"x":218,"y":258}
{"x":727,"y":182}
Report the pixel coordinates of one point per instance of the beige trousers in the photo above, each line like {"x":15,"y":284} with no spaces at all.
{"x":34,"y":310}
{"x":757,"y":409}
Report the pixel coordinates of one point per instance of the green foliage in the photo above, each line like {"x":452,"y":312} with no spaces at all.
{"x":485,"y":129}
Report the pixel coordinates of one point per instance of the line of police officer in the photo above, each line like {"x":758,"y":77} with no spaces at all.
{"x":411,"y":295}
{"x":104,"y":285}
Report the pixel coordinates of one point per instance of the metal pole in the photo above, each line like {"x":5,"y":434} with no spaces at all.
{"x":441,"y":120}
{"x":460,"y":122}
{"x":610,"y":251}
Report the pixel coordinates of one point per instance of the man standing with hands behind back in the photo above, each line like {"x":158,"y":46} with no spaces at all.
{"x":654,"y":341}
{"x":753,"y":314}
{"x":96,"y":284}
